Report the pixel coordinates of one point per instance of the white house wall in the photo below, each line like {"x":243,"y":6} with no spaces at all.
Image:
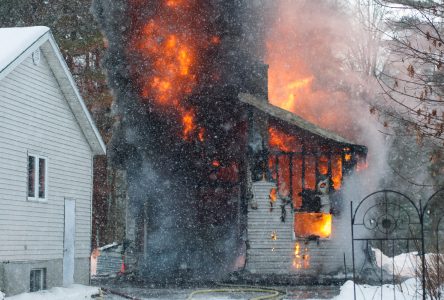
{"x":35,"y":117}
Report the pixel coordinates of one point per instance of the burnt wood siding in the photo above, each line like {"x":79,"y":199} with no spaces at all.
{"x":267,"y":256}
{"x":35,"y":118}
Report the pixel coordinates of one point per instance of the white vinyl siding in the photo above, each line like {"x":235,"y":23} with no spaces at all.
{"x":35,"y":118}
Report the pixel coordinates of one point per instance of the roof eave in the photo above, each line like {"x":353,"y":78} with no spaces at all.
{"x":289,"y":117}
{"x":72,"y":95}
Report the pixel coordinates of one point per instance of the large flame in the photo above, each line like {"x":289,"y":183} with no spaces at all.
{"x":279,"y":140}
{"x":290,"y":78}
{"x":173,"y":43}
{"x":303,"y":70}
{"x":312,"y":224}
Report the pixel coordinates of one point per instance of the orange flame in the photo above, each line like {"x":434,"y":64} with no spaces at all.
{"x":297,"y":256}
{"x":172,"y":44}
{"x":281,"y":141}
{"x":273,"y":195}
{"x":312,"y":224}
{"x":201,"y":135}
{"x":188,"y":124}
{"x":172,"y":61}
{"x":300,"y":260}
{"x":323,"y":165}
{"x":336,"y":171}
{"x":287,"y":95}
{"x":302,"y":67}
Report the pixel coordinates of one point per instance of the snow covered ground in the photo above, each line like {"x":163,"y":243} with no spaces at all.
{"x":74,"y":292}
{"x":403,"y":265}
{"x":406,"y":291}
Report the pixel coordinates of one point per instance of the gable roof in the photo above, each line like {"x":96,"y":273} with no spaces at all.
{"x":19,"y":43}
{"x":292,"y":119}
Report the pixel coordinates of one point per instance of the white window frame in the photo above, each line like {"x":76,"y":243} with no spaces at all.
{"x":36,"y":197}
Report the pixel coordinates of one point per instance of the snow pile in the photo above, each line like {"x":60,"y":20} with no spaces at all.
{"x":2,"y":295}
{"x":74,"y":292}
{"x":408,"y":290}
{"x":405,"y":264}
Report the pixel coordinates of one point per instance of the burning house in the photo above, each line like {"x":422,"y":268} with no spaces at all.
{"x":206,"y":171}
{"x":294,"y":213}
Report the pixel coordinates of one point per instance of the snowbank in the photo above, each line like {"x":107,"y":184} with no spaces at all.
{"x":408,"y":290}
{"x":2,"y":295}
{"x":74,"y":292}
{"x":405,"y":264}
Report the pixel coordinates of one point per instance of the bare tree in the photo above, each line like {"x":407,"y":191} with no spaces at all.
{"x":365,"y":54}
{"x":413,"y":78}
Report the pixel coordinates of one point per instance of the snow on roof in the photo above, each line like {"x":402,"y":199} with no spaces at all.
{"x":16,"y":40}
{"x":20,"y":43}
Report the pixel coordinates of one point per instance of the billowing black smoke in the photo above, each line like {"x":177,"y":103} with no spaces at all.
{"x":187,"y":194}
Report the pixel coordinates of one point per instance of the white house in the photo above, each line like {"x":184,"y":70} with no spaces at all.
{"x":47,"y":144}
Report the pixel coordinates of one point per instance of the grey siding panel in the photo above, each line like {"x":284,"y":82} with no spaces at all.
{"x":35,"y":118}
{"x":268,"y":256}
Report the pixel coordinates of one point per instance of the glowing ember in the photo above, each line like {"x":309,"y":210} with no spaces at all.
{"x":347,"y":156}
{"x":310,"y":173}
{"x":273,"y":195}
{"x":300,"y":260}
{"x":215,"y":163}
{"x":323,"y":165}
{"x":336,"y":171}
{"x":297,"y":260}
{"x":312,"y":224}
{"x":282,"y":141}
{"x":201,"y":135}
{"x":274,"y":235}
{"x":188,"y":124}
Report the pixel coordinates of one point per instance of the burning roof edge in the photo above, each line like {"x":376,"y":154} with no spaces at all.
{"x":289,"y":117}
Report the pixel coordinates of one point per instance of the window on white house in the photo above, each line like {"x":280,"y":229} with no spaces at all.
{"x":37,"y":280}
{"x":37,"y":177}
{"x":31,"y":176}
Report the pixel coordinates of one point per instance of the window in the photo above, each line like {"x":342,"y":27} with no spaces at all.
{"x":37,"y":177}
{"x":37,"y":280}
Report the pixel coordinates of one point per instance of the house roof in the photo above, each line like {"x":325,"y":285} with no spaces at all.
{"x":19,"y":43}
{"x":290,"y":118}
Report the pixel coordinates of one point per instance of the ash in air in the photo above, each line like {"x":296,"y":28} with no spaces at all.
{"x":185,"y":142}
{"x":176,"y":68}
